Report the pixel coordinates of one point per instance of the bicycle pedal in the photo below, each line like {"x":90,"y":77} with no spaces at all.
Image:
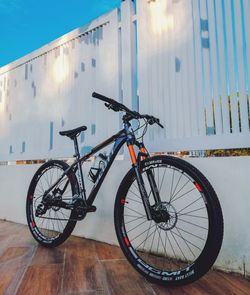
{"x":91,"y":209}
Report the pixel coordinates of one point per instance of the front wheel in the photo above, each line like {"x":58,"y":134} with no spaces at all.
{"x":183,"y":240}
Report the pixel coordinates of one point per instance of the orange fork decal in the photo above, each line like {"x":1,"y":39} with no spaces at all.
{"x":143,"y":150}
{"x":132,"y":153}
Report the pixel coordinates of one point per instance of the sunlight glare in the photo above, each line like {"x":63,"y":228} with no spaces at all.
{"x":160,"y":18}
{"x":60,"y":69}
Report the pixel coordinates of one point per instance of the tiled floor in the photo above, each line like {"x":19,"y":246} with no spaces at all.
{"x":81,"y":266}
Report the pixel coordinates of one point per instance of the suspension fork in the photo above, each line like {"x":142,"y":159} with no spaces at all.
{"x":143,"y":154}
{"x":140,"y":182}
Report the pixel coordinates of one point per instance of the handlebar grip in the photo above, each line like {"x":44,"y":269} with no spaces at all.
{"x":102,"y":97}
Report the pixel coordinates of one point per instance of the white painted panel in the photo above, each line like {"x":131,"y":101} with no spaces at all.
{"x":190,"y":75}
{"x":206,"y":75}
{"x":246,"y":10}
{"x":222,"y":61}
{"x":198,"y":67}
{"x":241,"y":69}
{"x":214,"y":65}
{"x":231,"y":68}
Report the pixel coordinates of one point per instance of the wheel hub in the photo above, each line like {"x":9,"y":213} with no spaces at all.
{"x":165,"y":215}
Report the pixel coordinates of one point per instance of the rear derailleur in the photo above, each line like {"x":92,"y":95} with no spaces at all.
{"x":54,"y":202}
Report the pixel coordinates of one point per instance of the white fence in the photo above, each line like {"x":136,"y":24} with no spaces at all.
{"x":185,"y":61}
{"x":50,"y":90}
{"x":194,"y":67}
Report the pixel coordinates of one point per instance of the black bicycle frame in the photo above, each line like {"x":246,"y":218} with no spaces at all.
{"x":119,"y":139}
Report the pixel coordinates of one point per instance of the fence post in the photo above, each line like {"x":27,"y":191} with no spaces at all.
{"x":128,"y":54}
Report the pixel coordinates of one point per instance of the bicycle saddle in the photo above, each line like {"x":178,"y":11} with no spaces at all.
{"x":74,"y":132}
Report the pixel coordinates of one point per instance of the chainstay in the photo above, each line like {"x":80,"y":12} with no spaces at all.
{"x":61,"y":219}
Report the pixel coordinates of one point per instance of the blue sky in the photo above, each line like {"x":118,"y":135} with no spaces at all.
{"x":26,"y":25}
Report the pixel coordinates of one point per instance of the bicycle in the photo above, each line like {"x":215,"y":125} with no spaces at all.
{"x":167,"y":216}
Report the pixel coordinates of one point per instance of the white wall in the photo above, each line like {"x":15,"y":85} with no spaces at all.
{"x":229,"y":177}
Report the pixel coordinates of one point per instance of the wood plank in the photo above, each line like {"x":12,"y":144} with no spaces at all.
{"x":236,"y":282}
{"x":90,"y":293}
{"x":92,"y":268}
{"x":80,"y":248}
{"x":212,"y":283}
{"x":13,"y":253}
{"x":40,"y":280}
{"x":10,"y":276}
{"x":45,"y":256}
{"x":83,"y":275}
{"x":123,"y":279}
{"x":106,"y":251}
{"x":12,"y":267}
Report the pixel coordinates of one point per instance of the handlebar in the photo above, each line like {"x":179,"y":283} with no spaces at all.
{"x":117,"y":107}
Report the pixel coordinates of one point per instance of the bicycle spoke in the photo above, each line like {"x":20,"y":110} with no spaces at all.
{"x":194,"y":224}
{"x":192,"y":211}
{"x":186,"y":240}
{"x":189,"y":205}
{"x":175,"y":199}
{"x":179,"y":191}
{"x":175,"y":187}
{"x":143,"y":242}
{"x":178,"y":246}
{"x":135,"y":194}
{"x":134,"y":220}
{"x":135,"y":227}
{"x":185,"y":231}
{"x":172,"y":248}
{"x":134,"y":200}
{"x":141,"y":234}
{"x":162,"y":180}
{"x":134,"y":210}
{"x":127,"y":215}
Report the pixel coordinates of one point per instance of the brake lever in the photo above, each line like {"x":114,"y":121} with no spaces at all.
{"x":111,"y":107}
{"x":160,"y":124}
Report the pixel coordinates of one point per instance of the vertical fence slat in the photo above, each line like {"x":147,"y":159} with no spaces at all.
{"x":223,"y":71}
{"x":171,"y":129}
{"x":166,"y":116}
{"x":191,"y":75}
{"x":214,"y":66}
{"x":185,"y":22}
{"x":246,"y":10}
{"x":231,"y":67}
{"x":206,"y":75}
{"x":198,"y":66}
{"x":241,"y":70}
{"x":142,"y":56}
{"x":177,"y":73}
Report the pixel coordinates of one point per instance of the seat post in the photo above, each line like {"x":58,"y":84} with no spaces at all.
{"x":77,"y":153}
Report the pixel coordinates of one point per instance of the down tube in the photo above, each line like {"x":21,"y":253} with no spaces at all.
{"x":117,"y":146}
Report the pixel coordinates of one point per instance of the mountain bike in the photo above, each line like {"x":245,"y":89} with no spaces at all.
{"x":167,"y":216}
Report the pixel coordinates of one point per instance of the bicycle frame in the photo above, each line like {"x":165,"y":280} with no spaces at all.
{"x":119,"y":139}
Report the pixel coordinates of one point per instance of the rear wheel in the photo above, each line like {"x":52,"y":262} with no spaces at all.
{"x":183,"y":240}
{"x":51,"y":225}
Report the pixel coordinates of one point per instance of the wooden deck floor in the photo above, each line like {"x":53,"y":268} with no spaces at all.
{"x":86,"y":267}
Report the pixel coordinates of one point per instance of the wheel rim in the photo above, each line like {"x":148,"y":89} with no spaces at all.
{"x":175,"y":244}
